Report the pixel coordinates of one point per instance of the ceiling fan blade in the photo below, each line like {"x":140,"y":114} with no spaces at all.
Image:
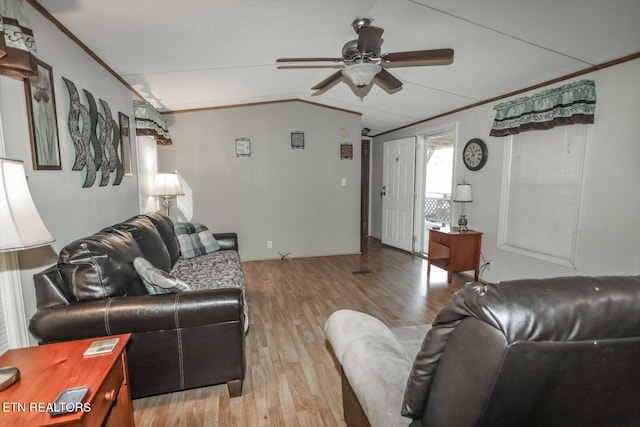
{"x":309,"y":60}
{"x":306,"y":67}
{"x":418,"y":57}
{"x":369,"y":39}
{"x":326,"y":82}
{"x":387,"y":80}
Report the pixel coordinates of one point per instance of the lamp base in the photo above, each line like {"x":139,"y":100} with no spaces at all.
{"x":462,"y":223}
{"x":8,"y":376}
{"x":166,"y":202}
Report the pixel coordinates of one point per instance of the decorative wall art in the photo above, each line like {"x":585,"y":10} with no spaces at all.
{"x":96,"y":142}
{"x":125,"y":144}
{"x":297,"y":139}
{"x":346,"y":151}
{"x":243,"y":147}
{"x":78,"y":113}
{"x":43,"y":127}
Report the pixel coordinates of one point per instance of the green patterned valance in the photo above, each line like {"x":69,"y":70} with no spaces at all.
{"x":150,"y":122}
{"x":569,"y":104}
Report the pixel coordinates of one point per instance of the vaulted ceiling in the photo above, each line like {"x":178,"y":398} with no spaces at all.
{"x":191,"y":54}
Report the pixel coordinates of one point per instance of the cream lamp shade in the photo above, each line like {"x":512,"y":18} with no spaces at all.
{"x":167,"y":185}
{"x":463,"y":193}
{"x":20,"y":224}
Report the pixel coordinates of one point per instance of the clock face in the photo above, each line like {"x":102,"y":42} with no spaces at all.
{"x":475,"y":154}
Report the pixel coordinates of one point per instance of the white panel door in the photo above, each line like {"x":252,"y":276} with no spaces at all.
{"x":397,"y":193}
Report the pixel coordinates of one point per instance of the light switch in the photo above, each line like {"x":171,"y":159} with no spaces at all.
{"x":344,"y":182}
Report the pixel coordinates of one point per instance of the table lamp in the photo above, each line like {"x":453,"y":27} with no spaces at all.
{"x":20,"y":228}
{"x":167,"y":185}
{"x":463,"y":195}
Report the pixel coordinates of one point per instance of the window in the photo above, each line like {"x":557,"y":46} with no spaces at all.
{"x":541,"y":194}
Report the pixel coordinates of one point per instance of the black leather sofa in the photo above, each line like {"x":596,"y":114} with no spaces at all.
{"x":548,"y":352}
{"x":179,"y":340}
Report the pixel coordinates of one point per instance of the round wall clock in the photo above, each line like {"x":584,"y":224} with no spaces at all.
{"x":475,"y":154}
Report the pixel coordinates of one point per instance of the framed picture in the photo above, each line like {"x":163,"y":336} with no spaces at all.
{"x":297,"y":139}
{"x":43,"y":122}
{"x":125,"y":143}
{"x":243,"y":147}
{"x":346,"y":151}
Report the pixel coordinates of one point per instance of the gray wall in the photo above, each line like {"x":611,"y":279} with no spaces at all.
{"x":610,"y":234}
{"x":292,"y":197}
{"x":68,"y":210}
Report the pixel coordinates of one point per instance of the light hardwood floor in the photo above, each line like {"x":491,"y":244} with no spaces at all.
{"x":292,"y":377}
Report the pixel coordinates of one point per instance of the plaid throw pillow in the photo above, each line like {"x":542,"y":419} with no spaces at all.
{"x":195,"y":239}
{"x":158,"y":281}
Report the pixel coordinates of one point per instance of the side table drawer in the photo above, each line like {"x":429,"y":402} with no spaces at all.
{"x":442,"y":238}
{"x":106,"y":396}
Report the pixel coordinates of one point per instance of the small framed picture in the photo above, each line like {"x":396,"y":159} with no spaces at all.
{"x":243,"y":147}
{"x":125,"y":143}
{"x":43,"y":122}
{"x":297,"y":139}
{"x":346,"y":151}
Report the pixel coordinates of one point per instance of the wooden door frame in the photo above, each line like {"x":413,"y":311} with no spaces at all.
{"x":365,"y":150}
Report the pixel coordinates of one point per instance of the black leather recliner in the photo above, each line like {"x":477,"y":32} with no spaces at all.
{"x":179,"y":341}
{"x":537,"y":352}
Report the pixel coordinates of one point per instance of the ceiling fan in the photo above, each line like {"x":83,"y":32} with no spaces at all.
{"x":364,"y":63}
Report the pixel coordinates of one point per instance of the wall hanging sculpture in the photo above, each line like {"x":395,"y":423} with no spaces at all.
{"x":95,"y":138}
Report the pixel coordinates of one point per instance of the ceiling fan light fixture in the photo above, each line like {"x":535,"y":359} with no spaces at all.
{"x":361,"y":74}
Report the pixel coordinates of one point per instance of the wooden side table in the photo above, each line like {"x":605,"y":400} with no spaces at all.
{"x":47,"y":370}
{"x":454,"y":251}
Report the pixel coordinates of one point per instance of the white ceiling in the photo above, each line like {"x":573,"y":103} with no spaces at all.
{"x":185,"y":54}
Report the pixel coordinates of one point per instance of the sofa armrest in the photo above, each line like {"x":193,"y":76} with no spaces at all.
{"x":374,"y":362}
{"x":137,"y":314}
{"x":227,"y":241}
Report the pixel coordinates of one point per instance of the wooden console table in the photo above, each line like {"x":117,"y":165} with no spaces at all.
{"x":47,"y":370}
{"x":454,"y":251}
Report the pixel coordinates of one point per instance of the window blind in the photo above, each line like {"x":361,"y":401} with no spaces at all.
{"x":542,"y":194}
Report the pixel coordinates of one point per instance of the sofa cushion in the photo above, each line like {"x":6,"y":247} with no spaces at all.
{"x":195,"y":239}
{"x":215,"y":270}
{"x":148,"y":239}
{"x":164,"y":225}
{"x":158,"y":281}
{"x":101,"y":266}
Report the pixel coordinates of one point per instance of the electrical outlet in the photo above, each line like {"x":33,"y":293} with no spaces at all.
{"x":269,"y":244}
{"x":487,"y":265}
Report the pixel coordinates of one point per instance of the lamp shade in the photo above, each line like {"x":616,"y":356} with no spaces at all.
{"x":167,"y":184}
{"x":361,"y":74}
{"x":20,"y":224}
{"x":463,"y":193}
